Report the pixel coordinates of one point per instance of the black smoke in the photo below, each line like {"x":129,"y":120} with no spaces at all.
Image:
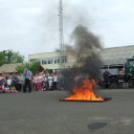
{"x":84,"y":43}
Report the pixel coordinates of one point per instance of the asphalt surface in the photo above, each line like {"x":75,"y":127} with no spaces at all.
{"x":43,"y":113}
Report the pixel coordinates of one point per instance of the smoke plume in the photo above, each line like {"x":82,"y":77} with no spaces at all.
{"x":85,"y":43}
{"x":84,"y":40}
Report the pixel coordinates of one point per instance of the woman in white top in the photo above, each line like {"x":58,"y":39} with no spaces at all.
{"x":20,"y":77}
{"x":50,"y":81}
{"x":9,"y":81}
{"x":35,"y":80}
{"x":39,"y":81}
{"x":46,"y":81}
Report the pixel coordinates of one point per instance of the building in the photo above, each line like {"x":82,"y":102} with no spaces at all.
{"x":52,"y":60}
{"x":11,"y":68}
{"x":116,"y":55}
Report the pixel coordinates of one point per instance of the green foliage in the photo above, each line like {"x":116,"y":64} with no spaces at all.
{"x":49,"y":70}
{"x":10,"y":56}
{"x":1,"y":58}
{"x":33,"y":67}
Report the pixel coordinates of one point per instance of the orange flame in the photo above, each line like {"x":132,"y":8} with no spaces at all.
{"x":85,"y":92}
{"x":120,"y":72}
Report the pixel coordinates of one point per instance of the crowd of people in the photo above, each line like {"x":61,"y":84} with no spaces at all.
{"x":44,"y":81}
{"x":41,"y":81}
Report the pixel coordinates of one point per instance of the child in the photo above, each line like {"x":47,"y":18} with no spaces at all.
{"x":1,"y":89}
{"x":7,"y":90}
{"x":43,"y":88}
{"x":13,"y":89}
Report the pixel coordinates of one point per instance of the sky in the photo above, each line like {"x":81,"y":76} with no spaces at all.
{"x":31,"y":26}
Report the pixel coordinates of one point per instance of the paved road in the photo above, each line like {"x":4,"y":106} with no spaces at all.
{"x":43,"y":113}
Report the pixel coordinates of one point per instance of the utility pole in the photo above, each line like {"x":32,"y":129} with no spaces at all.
{"x":61,"y":38}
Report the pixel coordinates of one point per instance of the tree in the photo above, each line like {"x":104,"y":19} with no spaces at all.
{"x":1,"y":58}
{"x":20,"y":69}
{"x":10,"y":56}
{"x":33,"y":67}
{"x":49,"y":70}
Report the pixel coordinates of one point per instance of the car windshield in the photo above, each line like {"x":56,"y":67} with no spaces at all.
{"x":132,"y":62}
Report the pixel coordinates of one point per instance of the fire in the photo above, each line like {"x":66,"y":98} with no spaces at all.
{"x":85,"y":93}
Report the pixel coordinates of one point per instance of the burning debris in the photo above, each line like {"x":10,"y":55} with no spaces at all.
{"x":82,"y":80}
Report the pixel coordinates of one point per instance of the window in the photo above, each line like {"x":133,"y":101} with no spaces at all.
{"x":131,"y":62}
{"x":65,"y":60}
{"x":45,"y":62}
{"x":55,"y":61}
{"x":50,"y":61}
{"x":62,"y":60}
{"x":58,"y":60}
{"x":82,"y":59}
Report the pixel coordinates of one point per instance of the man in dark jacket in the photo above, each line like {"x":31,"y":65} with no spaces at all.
{"x":15,"y":81}
{"x":2,"y":79}
{"x":28,"y":74}
{"x":132,"y":75}
{"x":106,"y":75}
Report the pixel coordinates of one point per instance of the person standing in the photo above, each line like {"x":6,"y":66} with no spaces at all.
{"x":132,"y":76}
{"x":106,"y":78}
{"x":20,"y":81}
{"x":55,"y":80}
{"x":50,"y":81}
{"x":27,"y":73}
{"x":9,"y":81}
{"x":39,"y":81}
{"x":61,"y":82}
{"x":46,"y":80}
{"x":15,"y":81}
{"x":36,"y":81}
{"x":2,"y":79}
